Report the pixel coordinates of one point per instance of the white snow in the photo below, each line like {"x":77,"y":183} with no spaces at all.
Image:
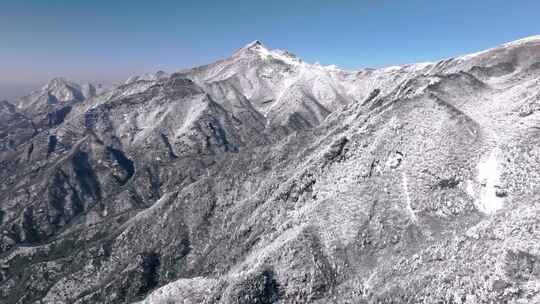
{"x":147,"y":77}
{"x":405,"y":182}
{"x":489,"y":178}
{"x":415,"y":67}
{"x":524,"y":40}
{"x":422,"y":65}
{"x":392,"y":68}
{"x":508,"y":44}
{"x":288,"y":58}
{"x":366,"y":286}
{"x":332,"y":67}
{"x":278,"y":54}
{"x":470,"y":188}
{"x":472,"y":55}
{"x":394,"y":161}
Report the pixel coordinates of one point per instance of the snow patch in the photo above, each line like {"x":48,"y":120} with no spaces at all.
{"x":410,"y":210}
{"x":392,"y":68}
{"x":332,"y":67}
{"x":284,"y":56}
{"x":489,"y":175}
{"x":394,"y":161}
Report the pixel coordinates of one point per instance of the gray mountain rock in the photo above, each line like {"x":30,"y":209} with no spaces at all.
{"x":264,"y":179}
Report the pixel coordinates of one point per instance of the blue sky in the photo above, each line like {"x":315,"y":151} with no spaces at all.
{"x":109,"y":40}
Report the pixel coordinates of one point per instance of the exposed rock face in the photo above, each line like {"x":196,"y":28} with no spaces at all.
{"x":263,"y":179}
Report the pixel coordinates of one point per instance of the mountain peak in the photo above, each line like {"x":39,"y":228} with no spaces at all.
{"x":260,"y":50}
{"x":254,"y":44}
{"x":59,"y":82}
{"x":147,"y":77}
{"x":63,"y":89}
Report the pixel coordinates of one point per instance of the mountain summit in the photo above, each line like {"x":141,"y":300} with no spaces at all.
{"x":262,"y":178}
{"x":254,"y":45}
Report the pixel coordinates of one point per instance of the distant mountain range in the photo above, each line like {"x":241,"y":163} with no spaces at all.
{"x":11,"y":90}
{"x":261,"y":178}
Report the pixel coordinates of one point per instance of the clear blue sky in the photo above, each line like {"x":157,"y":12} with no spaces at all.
{"x":109,"y":40}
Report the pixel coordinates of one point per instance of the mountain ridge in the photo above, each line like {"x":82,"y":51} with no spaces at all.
{"x":264,"y":179}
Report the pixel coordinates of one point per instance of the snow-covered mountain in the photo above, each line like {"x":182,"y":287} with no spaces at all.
{"x":286,"y":90}
{"x":261,"y":178}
